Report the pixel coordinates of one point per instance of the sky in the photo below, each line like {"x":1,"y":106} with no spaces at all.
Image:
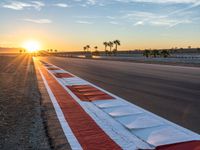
{"x":72,"y":24}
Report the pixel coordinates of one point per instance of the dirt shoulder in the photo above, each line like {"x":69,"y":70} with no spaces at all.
{"x":21,"y":123}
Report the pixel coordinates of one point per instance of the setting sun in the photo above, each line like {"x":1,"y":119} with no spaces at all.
{"x":31,"y":46}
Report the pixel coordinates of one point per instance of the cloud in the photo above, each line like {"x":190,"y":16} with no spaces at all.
{"x":114,"y":22}
{"x":63,"y":5}
{"x":84,"y":22}
{"x":140,"y":14}
{"x":183,"y":10}
{"x":147,"y":18}
{"x":162,"y":1}
{"x":92,"y":2}
{"x":87,"y":17}
{"x":85,"y":3}
{"x":169,"y":22}
{"x":37,"y":4}
{"x":39,"y":21}
{"x":139,"y":23}
{"x":17,"y":5}
{"x":110,"y":17}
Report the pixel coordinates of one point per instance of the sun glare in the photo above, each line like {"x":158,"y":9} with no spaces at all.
{"x":31,"y":46}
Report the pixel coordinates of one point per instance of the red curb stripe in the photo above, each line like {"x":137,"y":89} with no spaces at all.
{"x":63,"y":75}
{"x":53,"y":68}
{"x":48,"y":65}
{"x":87,"y":132}
{"x":89,"y":93}
{"x":82,"y":86}
{"x":193,"y":145}
{"x":93,"y":93}
{"x":87,"y":90}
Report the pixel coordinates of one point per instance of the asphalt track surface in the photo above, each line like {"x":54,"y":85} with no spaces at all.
{"x":172,"y":92}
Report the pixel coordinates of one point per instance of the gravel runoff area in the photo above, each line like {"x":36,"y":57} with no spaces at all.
{"x":21,"y":123}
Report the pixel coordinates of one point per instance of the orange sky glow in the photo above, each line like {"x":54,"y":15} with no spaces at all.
{"x":74,"y":24}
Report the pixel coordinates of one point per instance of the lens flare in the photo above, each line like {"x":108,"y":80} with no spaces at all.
{"x":31,"y":46}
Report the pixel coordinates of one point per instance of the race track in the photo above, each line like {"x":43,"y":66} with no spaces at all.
{"x":172,"y":92}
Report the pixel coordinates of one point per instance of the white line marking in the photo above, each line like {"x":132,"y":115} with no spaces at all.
{"x":65,"y":126}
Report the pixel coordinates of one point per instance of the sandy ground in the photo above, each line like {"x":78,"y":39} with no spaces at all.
{"x":21,"y":124}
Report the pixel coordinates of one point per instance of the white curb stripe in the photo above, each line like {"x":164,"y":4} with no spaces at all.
{"x":66,"y":129}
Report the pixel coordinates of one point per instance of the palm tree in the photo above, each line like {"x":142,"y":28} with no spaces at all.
{"x":55,"y":50}
{"x":105,"y":44}
{"x":155,"y":53}
{"x":110,"y":44}
{"x":116,"y":42}
{"x":164,"y":53}
{"x":95,"y":48}
{"x":88,"y":47}
{"x":96,"y":52}
{"x":20,"y":51}
{"x":146,"y":53}
{"x":84,"y":48}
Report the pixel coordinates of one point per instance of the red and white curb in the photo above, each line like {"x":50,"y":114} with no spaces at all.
{"x":93,"y":118}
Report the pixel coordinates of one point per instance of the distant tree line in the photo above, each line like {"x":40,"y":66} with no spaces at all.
{"x":22,"y":51}
{"x":156,"y":53}
{"x":52,"y":50}
{"x":111,"y":48}
{"x":109,"y":52}
{"x":110,"y":44}
{"x":166,"y":53}
{"x":86,"y":48}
